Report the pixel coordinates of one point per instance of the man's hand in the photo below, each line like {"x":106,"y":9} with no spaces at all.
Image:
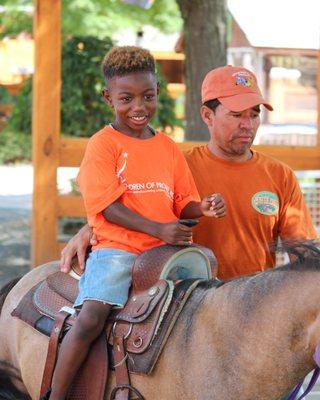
{"x":174,"y":233}
{"x":77,"y":246}
{"x":213,"y":206}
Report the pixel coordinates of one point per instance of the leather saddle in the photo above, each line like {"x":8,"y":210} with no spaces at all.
{"x":162,"y":280}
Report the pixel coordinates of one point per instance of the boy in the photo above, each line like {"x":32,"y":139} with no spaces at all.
{"x":136,"y":185}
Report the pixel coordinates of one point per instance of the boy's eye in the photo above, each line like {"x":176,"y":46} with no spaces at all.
{"x":125,"y":99}
{"x":149,"y":96}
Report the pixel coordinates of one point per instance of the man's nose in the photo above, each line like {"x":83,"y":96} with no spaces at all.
{"x":246,"y":123}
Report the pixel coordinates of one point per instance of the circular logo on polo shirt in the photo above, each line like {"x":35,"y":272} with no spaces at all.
{"x":266,"y":203}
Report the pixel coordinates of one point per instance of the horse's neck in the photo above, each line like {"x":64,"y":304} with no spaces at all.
{"x":255,"y":327}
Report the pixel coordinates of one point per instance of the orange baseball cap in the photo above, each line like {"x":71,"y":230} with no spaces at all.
{"x":235,"y":87}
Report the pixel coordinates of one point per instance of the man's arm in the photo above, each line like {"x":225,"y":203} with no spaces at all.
{"x":77,"y":246}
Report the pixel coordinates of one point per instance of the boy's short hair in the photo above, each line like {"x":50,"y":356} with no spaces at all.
{"x":123,"y":60}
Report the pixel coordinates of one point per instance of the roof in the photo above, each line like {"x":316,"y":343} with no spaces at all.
{"x":279,"y":23}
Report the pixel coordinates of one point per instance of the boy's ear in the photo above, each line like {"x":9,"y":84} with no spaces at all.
{"x":106,"y":95}
{"x":158,"y":88}
{"x":207,"y":115}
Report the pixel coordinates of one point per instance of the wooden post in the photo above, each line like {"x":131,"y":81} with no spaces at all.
{"x":46,"y":129}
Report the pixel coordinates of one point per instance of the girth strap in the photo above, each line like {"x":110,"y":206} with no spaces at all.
{"x":123,"y":386}
{"x":121,"y":369}
{"x":53,"y":351}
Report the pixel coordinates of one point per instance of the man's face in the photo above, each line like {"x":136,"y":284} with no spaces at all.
{"x":232,"y":133}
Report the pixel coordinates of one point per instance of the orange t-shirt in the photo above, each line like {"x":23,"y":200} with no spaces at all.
{"x":150,"y":177}
{"x":263,"y":201}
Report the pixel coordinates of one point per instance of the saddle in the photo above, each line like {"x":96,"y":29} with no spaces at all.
{"x":162,"y":280}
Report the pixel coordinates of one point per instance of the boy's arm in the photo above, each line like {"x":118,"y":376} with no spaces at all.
{"x":210,"y":206}
{"x":171,"y":232}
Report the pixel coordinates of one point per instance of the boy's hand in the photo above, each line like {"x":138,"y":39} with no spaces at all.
{"x":175,"y":233}
{"x":213,"y":206}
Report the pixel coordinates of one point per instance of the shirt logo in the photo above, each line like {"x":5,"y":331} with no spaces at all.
{"x":266,"y":203}
{"x":121,"y":168}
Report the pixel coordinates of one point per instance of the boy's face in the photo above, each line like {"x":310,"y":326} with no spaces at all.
{"x":134,"y":99}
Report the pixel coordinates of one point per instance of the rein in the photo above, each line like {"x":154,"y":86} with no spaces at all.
{"x":313,"y":380}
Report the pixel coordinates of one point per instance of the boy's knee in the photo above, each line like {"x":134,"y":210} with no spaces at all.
{"x":89,"y":326}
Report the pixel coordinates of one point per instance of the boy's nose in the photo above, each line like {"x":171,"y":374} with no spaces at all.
{"x":138,"y":104}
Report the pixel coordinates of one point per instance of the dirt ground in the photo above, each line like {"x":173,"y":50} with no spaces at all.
{"x":15,"y":235}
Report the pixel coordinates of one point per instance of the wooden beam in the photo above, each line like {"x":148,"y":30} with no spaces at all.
{"x":298,"y":158}
{"x":46,"y":129}
{"x":71,"y":206}
{"x":282,"y":51}
{"x":71,"y":151}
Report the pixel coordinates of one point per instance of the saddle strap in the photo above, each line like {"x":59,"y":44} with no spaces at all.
{"x":121,"y":368}
{"x":52,"y":351}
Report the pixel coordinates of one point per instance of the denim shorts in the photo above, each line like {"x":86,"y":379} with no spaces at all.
{"x":107,"y":277}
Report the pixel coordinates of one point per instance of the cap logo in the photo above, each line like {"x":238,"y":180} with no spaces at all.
{"x":244,"y":79}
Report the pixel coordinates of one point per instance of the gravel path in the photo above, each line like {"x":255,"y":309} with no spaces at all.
{"x":15,"y":221}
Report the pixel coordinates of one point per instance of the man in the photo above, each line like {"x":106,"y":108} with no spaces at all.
{"x":263,"y":197}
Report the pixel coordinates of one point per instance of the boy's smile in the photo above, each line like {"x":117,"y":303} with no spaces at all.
{"x":134,"y":99}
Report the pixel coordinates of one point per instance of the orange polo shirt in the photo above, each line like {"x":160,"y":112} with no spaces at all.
{"x":150,"y":177}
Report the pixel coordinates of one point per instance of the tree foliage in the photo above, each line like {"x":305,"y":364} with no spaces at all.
{"x":83,"y":110}
{"x":98,"y":18}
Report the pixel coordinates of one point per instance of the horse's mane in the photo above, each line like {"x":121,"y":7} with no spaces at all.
{"x":4,"y":291}
{"x":8,"y":391}
{"x":305,"y":255}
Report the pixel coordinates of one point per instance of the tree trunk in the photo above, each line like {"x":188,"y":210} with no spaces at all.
{"x":205,"y":48}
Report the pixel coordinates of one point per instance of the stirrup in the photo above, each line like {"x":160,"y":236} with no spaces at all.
{"x":47,"y":395}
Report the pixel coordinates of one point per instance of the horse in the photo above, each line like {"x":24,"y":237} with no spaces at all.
{"x":8,"y":388}
{"x":251,"y":337}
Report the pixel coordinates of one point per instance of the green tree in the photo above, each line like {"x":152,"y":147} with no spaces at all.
{"x":83,"y":110}
{"x":98,"y":18}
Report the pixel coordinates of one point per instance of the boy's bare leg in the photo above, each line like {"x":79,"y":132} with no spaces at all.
{"x":76,"y":344}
